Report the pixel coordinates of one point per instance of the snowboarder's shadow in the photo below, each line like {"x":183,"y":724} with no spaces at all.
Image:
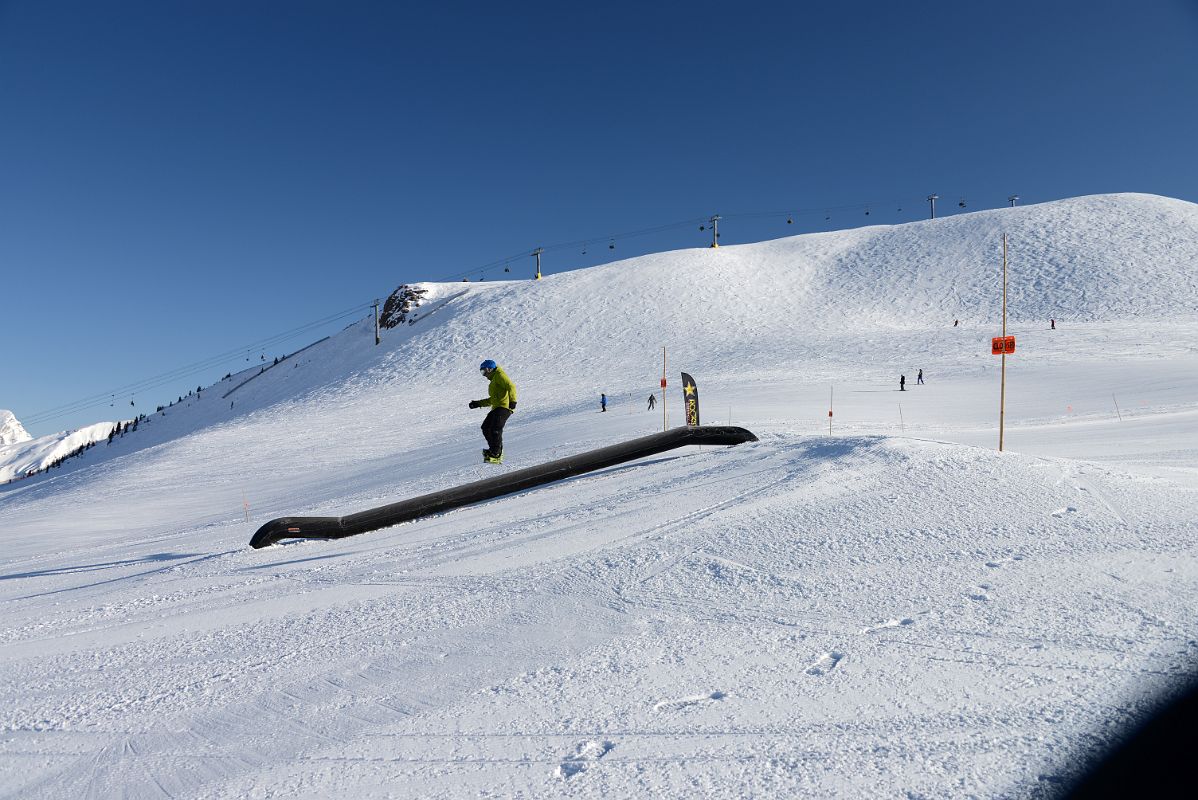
{"x":99,"y":565}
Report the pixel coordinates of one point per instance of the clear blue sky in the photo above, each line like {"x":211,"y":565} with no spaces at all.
{"x":179,"y":180}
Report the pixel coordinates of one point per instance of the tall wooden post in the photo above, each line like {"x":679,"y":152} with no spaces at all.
{"x":665,"y":416}
{"x":1002,"y":394}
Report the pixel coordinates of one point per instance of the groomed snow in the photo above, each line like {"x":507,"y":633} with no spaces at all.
{"x":895,"y":609}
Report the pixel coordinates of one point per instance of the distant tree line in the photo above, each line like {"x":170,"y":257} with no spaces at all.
{"x":120,"y":429}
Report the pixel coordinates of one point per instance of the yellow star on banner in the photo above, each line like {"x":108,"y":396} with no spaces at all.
{"x":689,"y":389}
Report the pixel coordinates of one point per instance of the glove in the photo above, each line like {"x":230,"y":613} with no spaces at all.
{"x":475,"y":404}
{"x":512,"y":405}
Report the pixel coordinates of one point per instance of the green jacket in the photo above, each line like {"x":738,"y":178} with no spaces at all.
{"x":501,"y":392}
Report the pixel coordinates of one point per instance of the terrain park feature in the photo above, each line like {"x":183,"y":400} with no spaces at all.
{"x":515,"y":481}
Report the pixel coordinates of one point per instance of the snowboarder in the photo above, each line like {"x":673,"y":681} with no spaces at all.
{"x":652,"y":402}
{"x":902,"y":383}
{"x":603,"y":402}
{"x":919,"y":378}
{"x":501,"y":399}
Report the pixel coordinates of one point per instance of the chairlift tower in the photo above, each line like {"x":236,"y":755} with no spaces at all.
{"x":715,"y":230}
{"x":1012,"y":199}
{"x":932,"y":198}
{"x":537,"y":254}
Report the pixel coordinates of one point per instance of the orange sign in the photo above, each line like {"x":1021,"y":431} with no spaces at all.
{"x":1001,"y":345}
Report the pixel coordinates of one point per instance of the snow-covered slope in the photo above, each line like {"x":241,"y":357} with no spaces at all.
{"x":30,"y":455}
{"x":893,"y":609}
{"x":779,"y":308}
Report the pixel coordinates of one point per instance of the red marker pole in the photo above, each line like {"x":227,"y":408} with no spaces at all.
{"x":1002,"y":392}
{"x":665,"y":417}
{"x":830,"y":390}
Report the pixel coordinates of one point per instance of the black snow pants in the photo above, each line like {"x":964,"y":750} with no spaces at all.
{"x":493,"y":429}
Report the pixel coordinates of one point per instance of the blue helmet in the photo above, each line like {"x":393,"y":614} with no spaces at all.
{"x":488,"y":364}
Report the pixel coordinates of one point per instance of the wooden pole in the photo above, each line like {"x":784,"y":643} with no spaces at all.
{"x":831,"y":389}
{"x":1002,"y":394}
{"x":665,"y":417}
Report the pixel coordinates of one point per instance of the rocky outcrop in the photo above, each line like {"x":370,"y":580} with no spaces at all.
{"x":402,"y":302}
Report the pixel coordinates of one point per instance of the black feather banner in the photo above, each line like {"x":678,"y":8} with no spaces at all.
{"x":690,"y":398}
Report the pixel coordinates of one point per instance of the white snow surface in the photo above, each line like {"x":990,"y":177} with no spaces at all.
{"x":894,"y":609}
{"x":22,"y":456}
{"x":11,"y":429}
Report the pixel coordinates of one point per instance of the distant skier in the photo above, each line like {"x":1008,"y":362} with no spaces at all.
{"x":902,"y":383}
{"x":919,"y":378}
{"x":603,"y":402}
{"x":652,"y":402}
{"x":956,"y":322}
{"x":1052,"y":324}
{"x":501,"y":399}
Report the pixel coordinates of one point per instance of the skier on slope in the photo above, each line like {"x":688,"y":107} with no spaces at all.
{"x":501,"y":399}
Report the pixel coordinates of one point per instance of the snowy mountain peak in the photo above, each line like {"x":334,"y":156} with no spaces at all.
{"x":11,"y":429}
